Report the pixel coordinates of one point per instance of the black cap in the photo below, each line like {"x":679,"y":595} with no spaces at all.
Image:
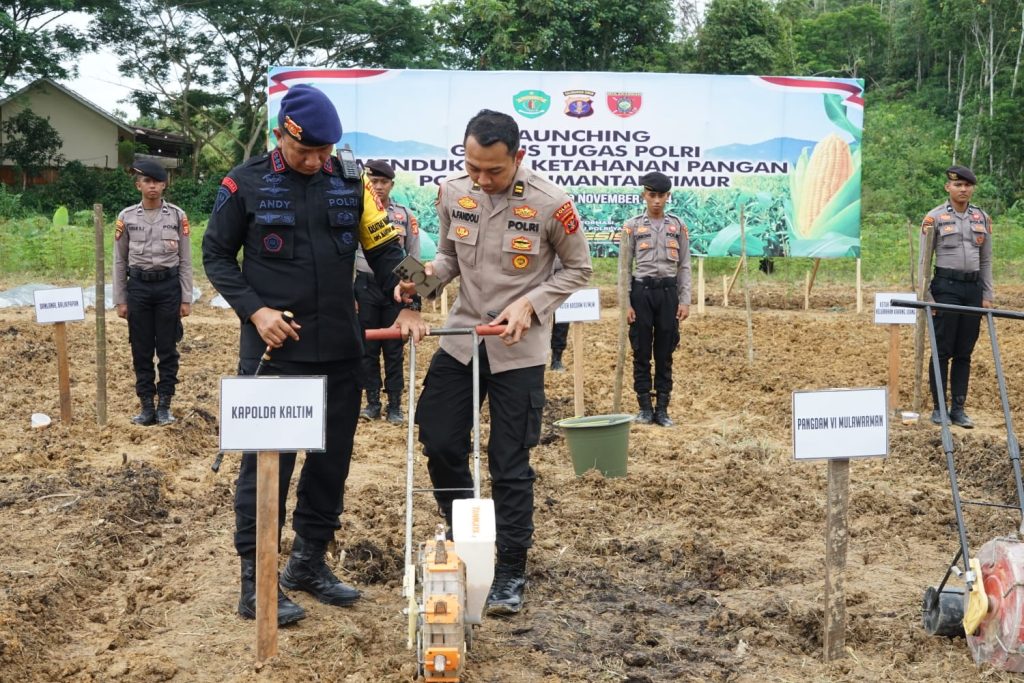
{"x":961,"y":173}
{"x":150,"y":169}
{"x":656,"y":182}
{"x":380,"y":168}
{"x":309,"y":116}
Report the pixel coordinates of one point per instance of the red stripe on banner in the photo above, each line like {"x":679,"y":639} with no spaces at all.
{"x":790,"y":82}
{"x":279,"y":79}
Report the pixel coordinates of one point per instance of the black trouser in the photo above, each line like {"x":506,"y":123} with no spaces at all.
{"x":444,"y":414}
{"x":320,"y":494}
{"x":378,"y":309}
{"x":154,"y":325}
{"x":955,"y":334}
{"x":655,"y":328}
{"x":559,"y":336}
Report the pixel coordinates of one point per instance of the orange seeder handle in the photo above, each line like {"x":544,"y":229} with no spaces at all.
{"x":385,"y":333}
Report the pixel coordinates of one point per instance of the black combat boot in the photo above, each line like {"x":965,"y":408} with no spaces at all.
{"x":936,"y":417}
{"x":372,"y":409}
{"x":307,"y":571}
{"x":147,"y":415}
{"x":395,"y":415}
{"x":163,"y":411}
{"x":556,"y":360}
{"x":506,"y":594}
{"x":661,"y":417}
{"x":957,"y":416}
{"x":646,"y":414}
{"x":287,"y":611}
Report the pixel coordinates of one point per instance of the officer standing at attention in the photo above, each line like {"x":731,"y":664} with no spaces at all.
{"x":153,"y":288}
{"x":961,"y":236}
{"x":378,"y":308}
{"x":297,"y":215}
{"x":501,"y":226}
{"x":659,"y":296}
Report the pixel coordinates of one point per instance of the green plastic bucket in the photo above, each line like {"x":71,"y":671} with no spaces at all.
{"x":598,"y":442}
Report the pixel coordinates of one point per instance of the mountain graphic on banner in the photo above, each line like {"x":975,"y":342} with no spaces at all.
{"x":372,"y":147}
{"x":776,"y":149}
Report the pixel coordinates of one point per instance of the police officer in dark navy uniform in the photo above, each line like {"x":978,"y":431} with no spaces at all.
{"x":378,"y":308}
{"x":961,"y":236}
{"x":153,"y":288}
{"x":297,"y":215}
{"x":659,"y":297}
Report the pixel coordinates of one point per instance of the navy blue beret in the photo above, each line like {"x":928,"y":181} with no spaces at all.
{"x":150,"y":169}
{"x":308,"y":116}
{"x":961,"y":173}
{"x":381,"y":169}
{"x":656,"y":182}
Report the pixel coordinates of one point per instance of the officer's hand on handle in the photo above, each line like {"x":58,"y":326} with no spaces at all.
{"x":518,"y":316}
{"x":631,"y":316}
{"x":683,"y":312}
{"x":410,"y":322}
{"x":122,"y":310}
{"x":185,"y":310}
{"x":273,"y":328}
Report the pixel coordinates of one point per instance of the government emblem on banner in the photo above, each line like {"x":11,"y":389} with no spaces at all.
{"x":579,"y":103}
{"x":531,"y":103}
{"x":624,"y":104}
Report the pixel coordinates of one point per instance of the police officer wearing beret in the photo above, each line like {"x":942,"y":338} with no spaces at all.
{"x":961,"y":237}
{"x":500,"y":228}
{"x":659,"y":296}
{"x":297,"y":215}
{"x":153,"y":288}
{"x":377,"y":308}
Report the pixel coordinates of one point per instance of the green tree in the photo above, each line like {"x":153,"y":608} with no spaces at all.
{"x":851,"y":42}
{"x":31,"y":143}
{"x":742,"y":37}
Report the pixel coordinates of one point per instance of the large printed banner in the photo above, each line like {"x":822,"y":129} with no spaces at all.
{"x":780,"y":154}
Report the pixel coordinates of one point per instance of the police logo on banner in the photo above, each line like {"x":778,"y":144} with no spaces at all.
{"x":579,"y":104}
{"x":624,"y":104}
{"x":531,"y":103}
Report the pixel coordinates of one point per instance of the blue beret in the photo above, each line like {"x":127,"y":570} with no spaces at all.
{"x":380,"y":168}
{"x":656,"y":182}
{"x":961,"y":173}
{"x":150,"y":169}
{"x":308,"y":115}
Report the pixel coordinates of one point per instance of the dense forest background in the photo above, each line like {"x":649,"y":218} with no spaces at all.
{"x":943,"y":78}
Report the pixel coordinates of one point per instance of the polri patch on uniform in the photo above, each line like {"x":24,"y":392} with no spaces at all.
{"x":118,"y":229}
{"x":184,"y":225}
{"x":277,"y":161}
{"x":979,"y":240}
{"x":223,"y":194}
{"x":520,"y":261}
{"x":461,"y":231}
{"x":521,"y":243}
{"x":329,"y":166}
{"x":525,"y":211}
{"x":566,"y":215}
{"x":273,"y":242}
{"x":414,"y":225}
{"x":518,"y":189}
{"x":230,"y":184}
{"x":467,"y":203}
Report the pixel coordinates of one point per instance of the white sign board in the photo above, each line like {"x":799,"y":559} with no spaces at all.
{"x":272,"y":413}
{"x":59,"y":305}
{"x":840,"y":423}
{"x":584,"y":305}
{"x":887,"y":314}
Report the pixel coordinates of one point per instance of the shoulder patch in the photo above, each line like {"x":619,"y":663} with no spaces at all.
{"x":928,"y":222}
{"x":566,"y":215}
{"x":118,"y":229}
{"x":184,"y":225}
{"x":230,"y":184}
{"x":414,"y":225}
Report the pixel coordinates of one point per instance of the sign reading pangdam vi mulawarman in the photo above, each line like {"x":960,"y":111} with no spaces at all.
{"x":784,"y":150}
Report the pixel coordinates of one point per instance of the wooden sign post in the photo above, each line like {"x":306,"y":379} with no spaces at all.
{"x":58,"y":306}
{"x":583,"y":305}
{"x":893,"y":317}
{"x":837,"y":425}
{"x":270,"y":415}
{"x":700,"y":285}
{"x":101,"y":319}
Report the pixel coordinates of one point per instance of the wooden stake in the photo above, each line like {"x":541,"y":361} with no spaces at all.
{"x":860,"y":302}
{"x":894,"y":368}
{"x":620,"y":356}
{"x":60,"y":339}
{"x":924,"y":278}
{"x":577,"y":368}
{"x":725,"y":291}
{"x":836,"y":543}
{"x":444,"y":302}
{"x":267,"y":490}
{"x":700,"y":285}
{"x":101,"y":320}
{"x":743,"y":262}
{"x":810,"y":283}
{"x":746,"y":291}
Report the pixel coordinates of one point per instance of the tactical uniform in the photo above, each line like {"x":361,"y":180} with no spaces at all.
{"x":153,"y":276}
{"x":502,"y":248}
{"x":962,"y":244}
{"x":378,"y":308}
{"x":660,"y":283}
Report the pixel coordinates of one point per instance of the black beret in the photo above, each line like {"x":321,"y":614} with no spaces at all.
{"x":961,"y":173}
{"x":309,"y":116}
{"x":380,"y":168}
{"x":150,"y":169}
{"x":656,"y":182}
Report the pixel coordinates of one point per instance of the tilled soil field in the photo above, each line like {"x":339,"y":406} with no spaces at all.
{"x":705,"y":563}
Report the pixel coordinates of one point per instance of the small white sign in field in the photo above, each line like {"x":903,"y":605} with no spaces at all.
{"x":840,"y":423}
{"x":272,"y":413}
{"x":887,"y":314}
{"x":583,"y":305}
{"x":59,"y":305}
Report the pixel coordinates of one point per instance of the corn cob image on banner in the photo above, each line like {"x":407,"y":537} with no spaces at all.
{"x":784,"y":150}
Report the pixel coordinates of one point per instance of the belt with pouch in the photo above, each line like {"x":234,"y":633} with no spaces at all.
{"x":152,"y":275}
{"x":959,"y":275}
{"x":656,"y":282}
